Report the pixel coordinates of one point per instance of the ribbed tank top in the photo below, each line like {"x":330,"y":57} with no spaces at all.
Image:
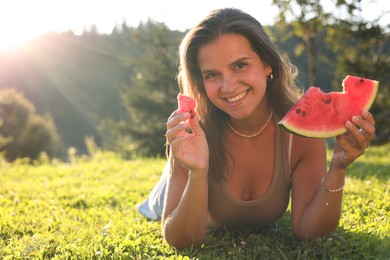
{"x":226,"y":211}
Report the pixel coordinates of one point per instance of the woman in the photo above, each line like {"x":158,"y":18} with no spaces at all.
{"x":236,"y":167}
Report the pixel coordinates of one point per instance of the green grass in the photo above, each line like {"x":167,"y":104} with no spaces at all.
{"x":86,"y":210}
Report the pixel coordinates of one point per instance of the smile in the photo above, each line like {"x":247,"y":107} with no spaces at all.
{"x":238,"y":97}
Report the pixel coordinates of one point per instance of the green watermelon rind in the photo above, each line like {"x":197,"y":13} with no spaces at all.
{"x":373,"y":96}
{"x":309,"y":133}
{"x":329,"y":133}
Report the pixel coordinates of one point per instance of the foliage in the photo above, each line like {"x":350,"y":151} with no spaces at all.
{"x":354,"y":47}
{"x":84,"y":80}
{"x":308,"y":19}
{"x":86,"y":210}
{"x":150,"y":93}
{"x":74,"y":78}
{"x":27,"y":134}
{"x":363,"y":49}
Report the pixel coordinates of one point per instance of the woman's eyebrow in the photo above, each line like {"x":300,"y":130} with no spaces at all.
{"x":240,"y":60}
{"x":231,"y":64}
{"x":206,"y":71}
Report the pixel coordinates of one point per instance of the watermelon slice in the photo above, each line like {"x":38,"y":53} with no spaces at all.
{"x":322,"y":115}
{"x":186,"y":104}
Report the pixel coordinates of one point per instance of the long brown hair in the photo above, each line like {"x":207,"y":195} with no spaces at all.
{"x":281,"y":92}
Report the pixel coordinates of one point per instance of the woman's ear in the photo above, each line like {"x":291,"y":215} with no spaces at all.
{"x":268,"y":69}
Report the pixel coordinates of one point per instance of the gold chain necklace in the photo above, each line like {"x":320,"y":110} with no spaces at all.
{"x":252,"y":135}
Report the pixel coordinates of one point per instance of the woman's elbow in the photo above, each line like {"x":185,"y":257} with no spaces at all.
{"x":181,"y":244}
{"x":180,"y":240}
{"x":307,"y":236}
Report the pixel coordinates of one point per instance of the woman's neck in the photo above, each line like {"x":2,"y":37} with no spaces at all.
{"x":254,"y":123}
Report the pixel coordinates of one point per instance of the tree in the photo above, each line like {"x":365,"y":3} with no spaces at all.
{"x":304,"y":19}
{"x":26,"y":133}
{"x":307,"y":19}
{"x":362,"y":48}
{"x":359,"y":47}
{"x":39,"y":136}
{"x":150,"y":91}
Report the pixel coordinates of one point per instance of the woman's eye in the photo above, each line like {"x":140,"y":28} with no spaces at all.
{"x":241,"y":65}
{"x":210,"y":75}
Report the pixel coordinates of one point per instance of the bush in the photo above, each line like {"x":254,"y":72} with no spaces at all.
{"x":25,"y":133}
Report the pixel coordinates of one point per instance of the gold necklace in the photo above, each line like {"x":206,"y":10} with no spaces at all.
{"x":252,"y":135}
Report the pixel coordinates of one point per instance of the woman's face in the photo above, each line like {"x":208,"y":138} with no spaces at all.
{"x":234,"y":77}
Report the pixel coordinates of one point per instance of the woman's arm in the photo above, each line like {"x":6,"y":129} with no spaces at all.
{"x":314,"y":212}
{"x":185,"y":214}
{"x":186,"y":208}
{"x":317,"y":195}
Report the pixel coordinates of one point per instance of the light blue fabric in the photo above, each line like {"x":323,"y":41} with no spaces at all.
{"x":152,"y":207}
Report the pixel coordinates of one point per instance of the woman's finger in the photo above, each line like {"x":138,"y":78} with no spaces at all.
{"x":195,"y":126}
{"x":171,"y":118}
{"x":178,"y":130}
{"x":360,"y":139}
{"x":366,"y":123}
{"x":178,"y":140}
{"x":176,"y":118}
{"x":368,"y":126}
{"x":368,"y":117}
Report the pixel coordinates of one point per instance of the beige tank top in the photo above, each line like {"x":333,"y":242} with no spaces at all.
{"x":227,"y":211}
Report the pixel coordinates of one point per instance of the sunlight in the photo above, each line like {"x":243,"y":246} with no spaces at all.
{"x":14,"y":29}
{"x":12,"y":41}
{"x":24,"y":20}
{"x":20,"y":22}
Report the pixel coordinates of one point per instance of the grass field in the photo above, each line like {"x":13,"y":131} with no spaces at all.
{"x":85,"y":209}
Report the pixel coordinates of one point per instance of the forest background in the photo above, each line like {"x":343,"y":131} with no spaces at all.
{"x":118,"y":89}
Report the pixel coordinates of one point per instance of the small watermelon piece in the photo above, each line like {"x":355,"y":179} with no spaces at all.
{"x":186,"y":104}
{"x":322,"y":115}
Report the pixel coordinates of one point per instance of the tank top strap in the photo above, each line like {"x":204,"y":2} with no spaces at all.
{"x":290,"y":142}
{"x":286,"y":149}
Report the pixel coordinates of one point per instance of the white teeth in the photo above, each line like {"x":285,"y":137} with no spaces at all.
{"x":237,"y":98}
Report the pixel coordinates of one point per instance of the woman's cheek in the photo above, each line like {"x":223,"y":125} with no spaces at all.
{"x":211,"y":91}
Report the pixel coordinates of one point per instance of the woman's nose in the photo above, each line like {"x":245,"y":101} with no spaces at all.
{"x":229,"y":83}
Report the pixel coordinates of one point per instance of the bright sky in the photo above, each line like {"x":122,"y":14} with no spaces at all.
{"x":22,"y":20}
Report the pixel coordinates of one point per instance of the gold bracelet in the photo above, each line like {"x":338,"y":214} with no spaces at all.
{"x":329,"y":190}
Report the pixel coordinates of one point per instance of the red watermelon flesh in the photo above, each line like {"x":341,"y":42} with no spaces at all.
{"x":323,"y":115}
{"x":186,"y":104}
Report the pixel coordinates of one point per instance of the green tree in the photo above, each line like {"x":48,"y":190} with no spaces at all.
{"x":303,"y":19}
{"x":359,"y":47}
{"x":362,"y":48}
{"x":308,"y":20}
{"x":27,"y":134}
{"x":39,"y":136}
{"x":150,"y":91}
{"x":15,"y":111}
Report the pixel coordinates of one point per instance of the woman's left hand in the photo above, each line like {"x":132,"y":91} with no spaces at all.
{"x":352,"y":144}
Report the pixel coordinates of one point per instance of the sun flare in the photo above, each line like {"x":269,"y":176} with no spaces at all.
{"x":13,"y":40}
{"x":16,"y":25}
{"x":23,"y":20}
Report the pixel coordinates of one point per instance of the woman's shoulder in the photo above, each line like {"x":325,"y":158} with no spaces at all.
{"x":306,"y":148}
{"x":299,"y":139}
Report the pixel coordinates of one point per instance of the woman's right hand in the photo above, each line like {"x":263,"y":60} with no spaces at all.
{"x":186,"y":205}
{"x":189,"y":149}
